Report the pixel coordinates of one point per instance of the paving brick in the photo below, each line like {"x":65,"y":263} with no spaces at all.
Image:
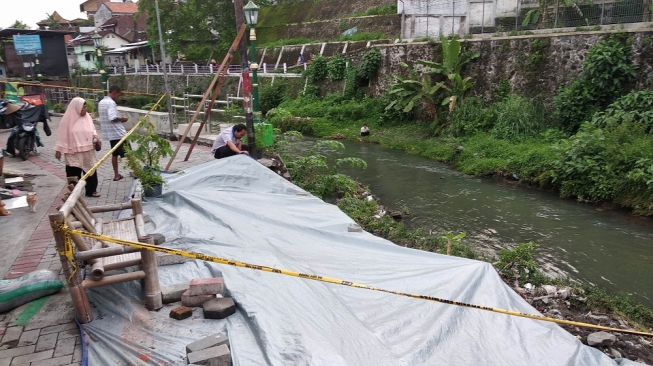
{"x":219,"y":355}
{"x":173,"y":293}
{"x":219,"y":308}
{"x":206,"y":286}
{"x":65,"y":346}
{"x":195,"y":301}
{"x":58,"y":328}
{"x":207,"y":342}
{"x":77,"y":353}
{"x":47,"y":341}
{"x":29,"y":337}
{"x":13,"y":352}
{"x":12,"y":334}
{"x":57,"y":361}
{"x":20,"y":360}
{"x":69,"y":333}
{"x":181,"y":313}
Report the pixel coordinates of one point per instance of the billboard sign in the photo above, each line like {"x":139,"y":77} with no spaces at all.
{"x":28,"y":44}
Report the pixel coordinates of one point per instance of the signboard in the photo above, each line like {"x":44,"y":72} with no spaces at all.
{"x":27,"y":45}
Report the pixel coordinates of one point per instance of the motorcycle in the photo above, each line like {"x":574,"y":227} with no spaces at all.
{"x":24,"y":136}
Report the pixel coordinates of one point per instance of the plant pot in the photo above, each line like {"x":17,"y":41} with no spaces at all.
{"x":153,"y":191}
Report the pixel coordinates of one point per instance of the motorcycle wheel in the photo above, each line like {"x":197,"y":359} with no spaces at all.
{"x":24,"y":146}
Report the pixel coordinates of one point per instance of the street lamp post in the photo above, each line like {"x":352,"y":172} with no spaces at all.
{"x":97,"y":41}
{"x":251,"y":18}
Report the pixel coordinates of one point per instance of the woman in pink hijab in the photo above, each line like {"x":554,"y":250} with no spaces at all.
{"x":76,"y":137}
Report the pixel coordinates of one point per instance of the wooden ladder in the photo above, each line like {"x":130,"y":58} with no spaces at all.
{"x":212,"y":91}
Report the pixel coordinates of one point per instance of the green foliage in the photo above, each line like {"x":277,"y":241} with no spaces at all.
{"x":19,"y":25}
{"x":598,"y":299}
{"x":636,"y":107}
{"x":337,"y":68}
{"x":516,"y":118}
{"x":199,"y":30}
{"x":382,"y":10}
{"x":519,"y":265}
{"x":147,"y":149}
{"x":471,"y":117}
{"x":607,"y":74}
{"x":136,"y":101}
{"x":452,"y":244}
{"x":287,"y":42}
{"x":272,"y":95}
{"x":317,"y":71}
{"x":438,"y":83}
{"x":370,"y":64}
{"x":362,"y":36}
{"x":282,"y":119}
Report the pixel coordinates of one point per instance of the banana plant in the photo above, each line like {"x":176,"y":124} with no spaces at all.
{"x":416,"y":93}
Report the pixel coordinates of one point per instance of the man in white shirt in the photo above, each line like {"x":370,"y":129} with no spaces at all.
{"x":112,"y":126}
{"x":228,"y":142}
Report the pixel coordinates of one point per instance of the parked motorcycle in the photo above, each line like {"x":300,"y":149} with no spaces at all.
{"x":24,"y":137}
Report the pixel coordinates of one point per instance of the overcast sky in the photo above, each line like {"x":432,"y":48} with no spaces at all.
{"x":32,"y":11}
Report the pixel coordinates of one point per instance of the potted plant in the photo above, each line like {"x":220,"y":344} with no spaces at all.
{"x":147,"y":149}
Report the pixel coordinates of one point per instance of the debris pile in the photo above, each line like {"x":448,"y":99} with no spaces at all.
{"x":207,"y":293}
{"x":213,"y":350}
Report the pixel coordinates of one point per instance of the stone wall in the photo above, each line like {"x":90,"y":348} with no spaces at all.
{"x":388,"y":25}
{"x":531,"y":65}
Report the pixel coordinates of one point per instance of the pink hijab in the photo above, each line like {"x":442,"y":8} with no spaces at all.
{"x":76,"y":132}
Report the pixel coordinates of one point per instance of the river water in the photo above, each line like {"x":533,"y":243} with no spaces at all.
{"x":611,"y":249}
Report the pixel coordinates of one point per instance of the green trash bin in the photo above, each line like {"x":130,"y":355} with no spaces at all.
{"x":264,"y":134}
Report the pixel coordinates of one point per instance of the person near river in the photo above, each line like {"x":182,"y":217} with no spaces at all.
{"x":365,"y":131}
{"x":228,"y":142}
{"x":76,"y":141}
{"x":112,"y":126}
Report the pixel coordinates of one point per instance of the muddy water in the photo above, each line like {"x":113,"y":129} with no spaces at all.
{"x":612,"y":249}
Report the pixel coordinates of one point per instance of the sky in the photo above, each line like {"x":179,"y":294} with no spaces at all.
{"x":32,"y":11}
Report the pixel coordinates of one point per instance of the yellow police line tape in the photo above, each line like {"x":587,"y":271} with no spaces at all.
{"x":68,"y":253}
{"x":117,"y":146}
{"x":69,"y":87}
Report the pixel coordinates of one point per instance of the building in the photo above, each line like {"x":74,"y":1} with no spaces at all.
{"x":109,"y":10}
{"x":90,"y":7}
{"x":83,"y":51}
{"x":133,"y":28}
{"x":52,"y":63}
{"x":57,"y":22}
{"x":130,"y":55}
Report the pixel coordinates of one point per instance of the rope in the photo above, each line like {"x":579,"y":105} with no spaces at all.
{"x":207,"y":258}
{"x":117,"y":146}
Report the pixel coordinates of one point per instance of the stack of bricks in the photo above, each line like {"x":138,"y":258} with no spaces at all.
{"x":212,"y":351}
{"x":207,"y":293}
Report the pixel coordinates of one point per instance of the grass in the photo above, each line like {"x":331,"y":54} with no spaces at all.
{"x":288,"y":42}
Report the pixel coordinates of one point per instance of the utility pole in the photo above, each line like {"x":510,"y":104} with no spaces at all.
{"x":163,"y":64}
{"x":247,"y":82}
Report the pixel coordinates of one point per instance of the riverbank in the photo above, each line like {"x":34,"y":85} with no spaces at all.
{"x":555,"y":298}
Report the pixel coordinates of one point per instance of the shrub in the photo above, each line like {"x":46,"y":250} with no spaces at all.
{"x":136,"y":101}
{"x":382,"y":10}
{"x":317,"y":71}
{"x":470,"y":117}
{"x":369,"y":64}
{"x":337,"y":68}
{"x":271,"y":96}
{"x":284,"y":120}
{"x":519,"y":264}
{"x":516,"y":118}
{"x":636,"y":107}
{"x":607,"y":74}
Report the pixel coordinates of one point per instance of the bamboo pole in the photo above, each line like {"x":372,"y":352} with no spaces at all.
{"x":197,"y":111}
{"x":151,"y":288}
{"x":110,"y":208}
{"x":67,"y":207}
{"x":112,"y":280}
{"x":104,"y":252}
{"x":73,"y":279}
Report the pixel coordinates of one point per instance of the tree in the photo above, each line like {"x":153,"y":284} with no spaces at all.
{"x":52,"y":22}
{"x":199,"y":30}
{"x":19,"y":25}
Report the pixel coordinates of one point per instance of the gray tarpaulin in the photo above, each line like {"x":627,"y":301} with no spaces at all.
{"x":236,"y":208}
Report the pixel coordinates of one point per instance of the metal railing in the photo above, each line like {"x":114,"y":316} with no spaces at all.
{"x":195,"y":69}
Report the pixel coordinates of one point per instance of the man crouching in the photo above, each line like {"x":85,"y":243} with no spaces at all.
{"x":228,"y":142}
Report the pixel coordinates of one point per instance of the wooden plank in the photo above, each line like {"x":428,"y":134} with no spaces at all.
{"x":200,"y":105}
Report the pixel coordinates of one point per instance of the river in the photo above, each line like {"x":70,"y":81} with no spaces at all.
{"x":608,"y":248}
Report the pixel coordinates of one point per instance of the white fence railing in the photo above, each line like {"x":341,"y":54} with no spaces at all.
{"x":195,"y":69}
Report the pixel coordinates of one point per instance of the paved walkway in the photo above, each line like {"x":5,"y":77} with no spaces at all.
{"x":44,"y":332}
